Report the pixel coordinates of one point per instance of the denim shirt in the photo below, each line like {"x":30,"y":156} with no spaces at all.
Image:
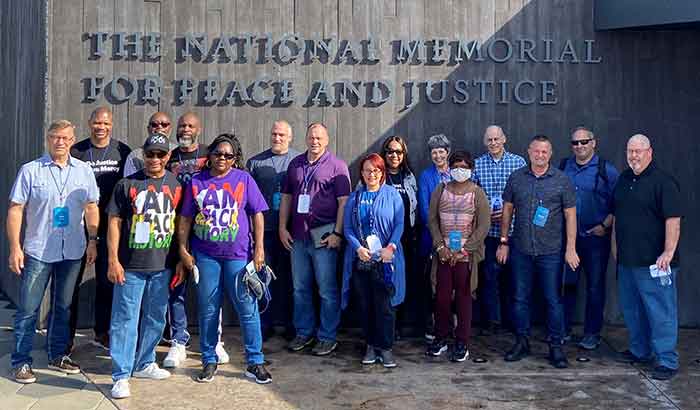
{"x":38,"y":187}
{"x":592,"y":205}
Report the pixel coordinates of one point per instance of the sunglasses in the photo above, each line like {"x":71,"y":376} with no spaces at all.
{"x":155,"y":154}
{"x":394,"y":151}
{"x":225,"y":155}
{"x":581,"y":142}
{"x":162,"y":124}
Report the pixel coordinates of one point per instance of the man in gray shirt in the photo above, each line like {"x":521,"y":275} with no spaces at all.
{"x":544,"y":199}
{"x":269,"y":169}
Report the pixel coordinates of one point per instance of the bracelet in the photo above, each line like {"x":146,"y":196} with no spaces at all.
{"x":93,"y":238}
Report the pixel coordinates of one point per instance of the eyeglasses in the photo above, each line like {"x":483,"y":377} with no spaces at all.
{"x":161,"y":124}
{"x":637,"y":152}
{"x":372,"y":172}
{"x":225,"y":155}
{"x":581,"y":142}
{"x":394,"y":151}
{"x":155,"y":154}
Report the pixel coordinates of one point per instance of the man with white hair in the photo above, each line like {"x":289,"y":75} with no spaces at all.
{"x":648,"y":211}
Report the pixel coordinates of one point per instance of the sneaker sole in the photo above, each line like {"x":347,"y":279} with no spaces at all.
{"x":367,"y":362}
{"x":207,"y":380}
{"x":439,"y":352}
{"x":26,"y":381}
{"x":389,"y":365}
{"x":461,"y":359}
{"x":98,"y":344}
{"x":258,"y":381}
{"x":118,"y":396}
{"x":66,"y":371}
{"x":301,"y":347}
{"x":170,"y":365}
{"x":136,"y":375}
{"x":326,"y":352}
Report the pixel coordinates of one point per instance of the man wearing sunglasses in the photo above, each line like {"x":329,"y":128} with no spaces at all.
{"x":106,"y":156}
{"x":594,"y":180}
{"x":160,"y":123}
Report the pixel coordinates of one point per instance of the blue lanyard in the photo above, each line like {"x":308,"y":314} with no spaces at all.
{"x":104,"y":153}
{"x":308,"y":175}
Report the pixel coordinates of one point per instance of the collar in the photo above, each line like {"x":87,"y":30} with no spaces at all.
{"x":649,"y":169}
{"x":321,"y":159}
{"x":593,"y":161}
{"x":505,"y":154}
{"x":46,"y":160}
{"x":548,"y":173}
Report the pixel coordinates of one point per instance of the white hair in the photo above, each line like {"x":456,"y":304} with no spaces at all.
{"x":640,"y":138}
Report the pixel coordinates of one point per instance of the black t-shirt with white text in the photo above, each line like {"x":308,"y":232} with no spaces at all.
{"x":147,"y":207}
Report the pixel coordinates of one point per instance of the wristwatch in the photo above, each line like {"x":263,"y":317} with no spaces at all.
{"x":504,"y":240}
{"x":93,"y":238}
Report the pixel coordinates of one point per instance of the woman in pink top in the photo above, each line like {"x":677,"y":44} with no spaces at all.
{"x":459,"y":219}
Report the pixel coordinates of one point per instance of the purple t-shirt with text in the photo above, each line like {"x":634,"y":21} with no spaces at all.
{"x":220,"y":208}
{"x":328,"y":179}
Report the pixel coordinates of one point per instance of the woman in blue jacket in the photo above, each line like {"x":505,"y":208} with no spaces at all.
{"x":374,"y":261}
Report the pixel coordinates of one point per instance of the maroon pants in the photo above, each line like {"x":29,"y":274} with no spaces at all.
{"x":453,"y":278}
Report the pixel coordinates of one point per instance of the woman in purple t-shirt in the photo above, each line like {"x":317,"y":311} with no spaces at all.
{"x":217,"y":205}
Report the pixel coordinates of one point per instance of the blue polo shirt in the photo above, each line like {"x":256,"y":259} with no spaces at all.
{"x":592,"y":205}
{"x":38,"y":187}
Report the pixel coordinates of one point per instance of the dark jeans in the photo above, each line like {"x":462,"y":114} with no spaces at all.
{"x":453,"y":279}
{"x":549,"y":270}
{"x":376,"y":313}
{"x":494,"y":289}
{"x":103,"y":293}
{"x":593,"y":252}
{"x":177,"y":314}
{"x":279,"y":312}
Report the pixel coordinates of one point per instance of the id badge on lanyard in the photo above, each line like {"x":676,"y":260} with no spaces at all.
{"x":541,"y":215}
{"x":61,"y":217}
{"x":455,"y":239}
{"x":304,"y":204}
{"x":142,"y":232}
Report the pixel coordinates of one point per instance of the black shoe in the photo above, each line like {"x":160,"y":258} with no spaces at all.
{"x":520,"y":350}
{"x":628,"y":357}
{"x":370,"y":356}
{"x":324,"y":347}
{"x":663,"y":373}
{"x":437,"y":348}
{"x":299,"y":343}
{"x":460,"y":353}
{"x":64,"y":364}
{"x":259,"y":373}
{"x":557,"y":358}
{"x":387,"y":358}
{"x":207,"y":373}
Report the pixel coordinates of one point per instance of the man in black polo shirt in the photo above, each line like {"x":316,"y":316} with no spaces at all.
{"x":543,"y":199}
{"x":647,"y":208}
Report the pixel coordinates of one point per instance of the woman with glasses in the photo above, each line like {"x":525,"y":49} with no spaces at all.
{"x":459,"y":219}
{"x":400,"y":175}
{"x":218,"y":203}
{"x":374,"y":261}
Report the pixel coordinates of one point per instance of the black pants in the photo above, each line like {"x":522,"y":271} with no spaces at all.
{"x":282,"y":305}
{"x":103,"y":293}
{"x":377,"y":316}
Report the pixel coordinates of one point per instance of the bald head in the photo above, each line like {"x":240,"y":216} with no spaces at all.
{"x":189,"y":127}
{"x":100,"y":126}
{"x":160,"y":122}
{"x":639,"y":153}
{"x":280,"y":137}
{"x":495,"y":140}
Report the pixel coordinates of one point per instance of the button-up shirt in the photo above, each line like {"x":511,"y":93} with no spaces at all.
{"x":527,"y":192}
{"x":43,"y":186}
{"x":492,"y":174}
{"x":593,"y":204}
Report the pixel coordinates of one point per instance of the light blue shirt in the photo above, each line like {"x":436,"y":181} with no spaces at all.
{"x":38,"y":187}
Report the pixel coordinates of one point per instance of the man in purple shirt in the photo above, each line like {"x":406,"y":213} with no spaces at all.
{"x":314,"y":193}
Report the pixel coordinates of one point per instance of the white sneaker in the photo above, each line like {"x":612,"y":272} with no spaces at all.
{"x":121,"y":390}
{"x":221,"y":353}
{"x":152,"y":371}
{"x":176,"y":355}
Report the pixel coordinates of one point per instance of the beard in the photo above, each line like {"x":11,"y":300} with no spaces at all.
{"x":185,"y":141}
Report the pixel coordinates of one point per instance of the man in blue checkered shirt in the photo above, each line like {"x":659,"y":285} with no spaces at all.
{"x":492,"y":171}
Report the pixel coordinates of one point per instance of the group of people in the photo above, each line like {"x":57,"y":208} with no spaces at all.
{"x":467,"y":230}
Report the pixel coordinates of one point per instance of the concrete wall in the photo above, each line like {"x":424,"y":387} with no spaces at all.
{"x":645,"y":81}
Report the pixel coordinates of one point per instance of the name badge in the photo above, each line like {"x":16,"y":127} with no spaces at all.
{"x":61,"y":217}
{"x":304,"y":203}
{"x":142,"y":232}
{"x":496,"y":202}
{"x":541,"y":215}
{"x":276,"y":199}
{"x":455,"y":239}
{"x":374,"y":244}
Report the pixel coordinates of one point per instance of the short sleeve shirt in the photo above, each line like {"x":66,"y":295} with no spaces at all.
{"x":552,"y":191}
{"x":221,"y":208}
{"x":642,"y":203}
{"x":42,"y":186}
{"x":185,"y":164}
{"x":143,"y":202}
{"x":269,"y":170}
{"x":324,"y":181}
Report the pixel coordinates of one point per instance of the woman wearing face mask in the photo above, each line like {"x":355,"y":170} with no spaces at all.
{"x":459,"y":220}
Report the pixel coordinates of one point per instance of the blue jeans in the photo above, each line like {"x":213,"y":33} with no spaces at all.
{"x":33,"y":282}
{"x":309,"y":264}
{"x":215,"y":276}
{"x":593,"y":252}
{"x":282,"y":305}
{"x":650,"y":311}
{"x":143,"y":295}
{"x":549,"y":270}
{"x":177,"y":314}
{"x":489,"y":289}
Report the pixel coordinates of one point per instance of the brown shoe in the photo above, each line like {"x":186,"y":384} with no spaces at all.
{"x":64,"y":364}
{"x":24,"y":374}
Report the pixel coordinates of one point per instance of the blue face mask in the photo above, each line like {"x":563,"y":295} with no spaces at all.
{"x":460,"y":174}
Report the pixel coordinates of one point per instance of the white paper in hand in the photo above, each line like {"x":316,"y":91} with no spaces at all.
{"x":657,"y":273}
{"x":195,"y":274}
{"x":374,"y":244}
